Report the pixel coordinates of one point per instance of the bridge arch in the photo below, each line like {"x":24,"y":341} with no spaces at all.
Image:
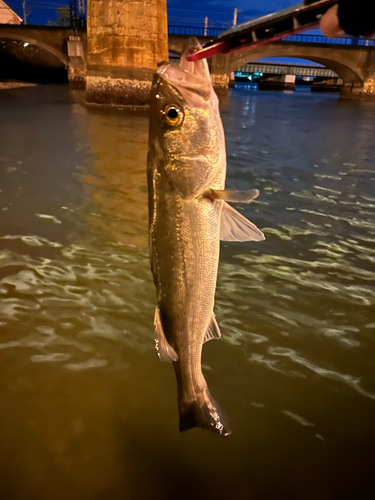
{"x":19,"y":37}
{"x":348,"y":64}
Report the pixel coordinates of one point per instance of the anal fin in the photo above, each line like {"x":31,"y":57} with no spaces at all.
{"x":235,"y":227}
{"x":164,"y":349}
{"x":213,"y":331}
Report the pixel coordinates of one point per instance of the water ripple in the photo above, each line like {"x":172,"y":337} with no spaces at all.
{"x":353,"y":382}
{"x":82,"y":295}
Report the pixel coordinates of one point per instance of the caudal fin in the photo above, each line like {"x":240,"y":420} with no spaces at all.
{"x":203,"y":412}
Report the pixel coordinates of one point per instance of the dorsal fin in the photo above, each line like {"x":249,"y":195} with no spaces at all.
{"x":164,"y":349}
{"x":213,"y":331}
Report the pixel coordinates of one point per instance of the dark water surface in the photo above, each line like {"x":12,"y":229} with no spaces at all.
{"x":87,"y":411}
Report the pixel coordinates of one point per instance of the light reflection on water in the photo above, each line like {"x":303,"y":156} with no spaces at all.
{"x":87,"y":409}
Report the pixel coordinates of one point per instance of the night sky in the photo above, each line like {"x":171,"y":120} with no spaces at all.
{"x":222,"y":10}
{"x":219,"y":11}
{"x":40,"y":12}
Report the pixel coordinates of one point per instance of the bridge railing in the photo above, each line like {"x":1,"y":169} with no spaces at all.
{"x":174,"y":29}
{"x":345,"y":40}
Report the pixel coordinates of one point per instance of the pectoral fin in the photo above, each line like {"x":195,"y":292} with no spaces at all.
{"x":233,"y":196}
{"x":213,"y":331}
{"x":235,"y":227}
{"x":164,"y":349}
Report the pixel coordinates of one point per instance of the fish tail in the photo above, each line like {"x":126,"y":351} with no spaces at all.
{"x":203,"y":412}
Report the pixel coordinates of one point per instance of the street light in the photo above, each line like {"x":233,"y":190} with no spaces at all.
{"x":25,"y":14}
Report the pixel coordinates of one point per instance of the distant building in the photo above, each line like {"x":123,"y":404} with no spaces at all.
{"x":7,"y":15}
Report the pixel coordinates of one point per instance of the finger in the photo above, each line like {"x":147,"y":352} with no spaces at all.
{"x":329,"y":23}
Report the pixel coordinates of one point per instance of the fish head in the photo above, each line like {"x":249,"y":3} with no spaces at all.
{"x":186,"y":134}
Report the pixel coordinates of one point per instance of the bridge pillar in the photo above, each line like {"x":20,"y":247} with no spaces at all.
{"x":77,"y":68}
{"x":126,"y":40}
{"x":232,"y":80}
{"x":322,"y":84}
{"x":369,"y":83}
{"x":220,"y":71}
{"x":351,"y":91}
{"x":365,"y":90}
{"x":277,"y":82}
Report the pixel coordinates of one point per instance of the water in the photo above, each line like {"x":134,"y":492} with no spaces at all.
{"x":87,"y":410}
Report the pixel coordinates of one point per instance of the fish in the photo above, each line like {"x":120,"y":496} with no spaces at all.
{"x":188,"y":216}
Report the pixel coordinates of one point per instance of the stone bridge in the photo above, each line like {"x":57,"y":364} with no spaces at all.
{"x":49,"y":38}
{"x":54,"y":41}
{"x":354,"y":64}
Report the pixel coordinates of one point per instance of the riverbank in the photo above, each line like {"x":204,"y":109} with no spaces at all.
{"x":15,"y":85}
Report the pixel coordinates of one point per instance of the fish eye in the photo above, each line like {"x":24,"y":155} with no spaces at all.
{"x":173,"y":115}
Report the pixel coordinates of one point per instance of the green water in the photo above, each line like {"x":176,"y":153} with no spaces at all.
{"x":87,"y":411}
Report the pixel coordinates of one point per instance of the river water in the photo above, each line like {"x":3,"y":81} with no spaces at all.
{"x":87,"y":411}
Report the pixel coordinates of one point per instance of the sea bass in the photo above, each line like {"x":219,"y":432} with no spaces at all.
{"x":188,"y":215}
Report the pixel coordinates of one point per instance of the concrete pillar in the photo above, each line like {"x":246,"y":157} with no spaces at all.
{"x":126,"y":40}
{"x":77,"y":68}
{"x":220,"y":72}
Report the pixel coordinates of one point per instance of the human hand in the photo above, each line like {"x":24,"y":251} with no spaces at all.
{"x":351,"y":17}
{"x":329,"y":23}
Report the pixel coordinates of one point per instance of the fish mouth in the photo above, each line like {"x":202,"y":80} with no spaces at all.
{"x":186,"y":82}
{"x":197,"y":68}
{"x":191,"y":78}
